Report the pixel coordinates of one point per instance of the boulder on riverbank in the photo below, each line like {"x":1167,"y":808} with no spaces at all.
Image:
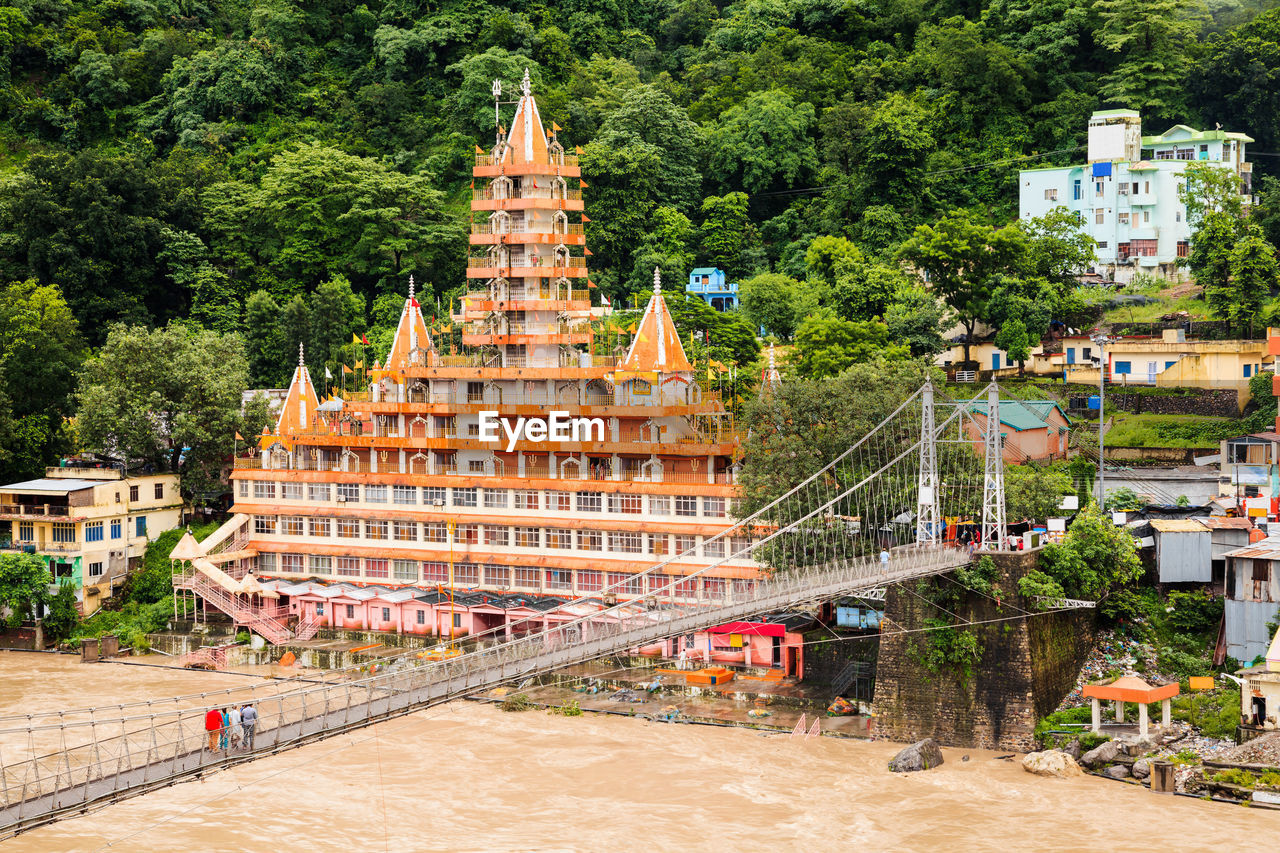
{"x":1116,"y":771}
{"x":918,"y":756}
{"x":1102,"y":754}
{"x":1141,"y":768}
{"x":1051,"y":762}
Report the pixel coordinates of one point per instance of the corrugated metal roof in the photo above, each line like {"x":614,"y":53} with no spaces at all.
{"x":1220,"y":522}
{"x":54,"y":486}
{"x":1178,"y":525}
{"x":1265,"y":549}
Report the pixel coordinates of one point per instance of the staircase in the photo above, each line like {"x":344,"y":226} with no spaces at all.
{"x":307,"y":627}
{"x":267,"y":621}
{"x":846,"y":676}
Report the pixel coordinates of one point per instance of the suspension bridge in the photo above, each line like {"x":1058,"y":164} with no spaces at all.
{"x":874,"y":515}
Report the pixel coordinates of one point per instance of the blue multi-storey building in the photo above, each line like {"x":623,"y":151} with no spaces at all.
{"x":1129,"y":195}
{"x":709,"y":283}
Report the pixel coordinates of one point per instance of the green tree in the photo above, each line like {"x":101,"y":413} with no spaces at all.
{"x":1012,"y":338}
{"x":769,"y":301}
{"x":762,"y":143}
{"x":40,"y":351}
{"x":1152,"y":40}
{"x":726,"y":232}
{"x":916,"y":317}
{"x":1094,"y":558}
{"x":168,"y":398}
{"x":826,"y":345}
{"x":626,"y":191}
{"x":63,"y":617}
{"x":1208,"y":190}
{"x":1034,"y":492}
{"x":648,"y":115}
{"x":264,"y":341}
{"x":961,"y":257}
{"x":24,"y":587}
{"x":336,"y":312}
{"x":1255,"y":275}
{"x":1210,"y":260}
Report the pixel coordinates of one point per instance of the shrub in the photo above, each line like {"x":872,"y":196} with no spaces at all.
{"x":1194,"y":612}
{"x":515,"y":703}
{"x":1236,"y":776}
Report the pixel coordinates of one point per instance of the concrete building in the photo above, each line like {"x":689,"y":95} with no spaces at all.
{"x":709,"y":284}
{"x":1035,"y":430}
{"x":1260,"y":693}
{"x":1128,"y":193}
{"x":362,"y":510}
{"x":90,"y":526}
{"x":1170,"y":360}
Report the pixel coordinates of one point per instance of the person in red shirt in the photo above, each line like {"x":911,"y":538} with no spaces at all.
{"x":213,"y":725}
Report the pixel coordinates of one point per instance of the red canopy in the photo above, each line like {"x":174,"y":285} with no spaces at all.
{"x":758,"y":629}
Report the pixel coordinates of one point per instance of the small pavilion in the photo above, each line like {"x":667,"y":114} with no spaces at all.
{"x":1130,"y":688}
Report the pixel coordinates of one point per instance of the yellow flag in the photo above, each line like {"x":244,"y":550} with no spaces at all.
{"x":360,"y":364}
{"x":354,"y":338}
{"x":556,"y":127}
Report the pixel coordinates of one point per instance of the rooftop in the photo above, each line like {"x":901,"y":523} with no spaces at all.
{"x":1178,"y":525}
{"x":52,"y":486}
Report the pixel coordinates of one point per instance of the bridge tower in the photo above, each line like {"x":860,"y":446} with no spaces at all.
{"x":927,"y":514}
{"x":993,"y":518}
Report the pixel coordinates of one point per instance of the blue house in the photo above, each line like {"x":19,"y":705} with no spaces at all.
{"x":709,"y":283}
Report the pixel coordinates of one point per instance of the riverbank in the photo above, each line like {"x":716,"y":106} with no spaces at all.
{"x":469,"y":776}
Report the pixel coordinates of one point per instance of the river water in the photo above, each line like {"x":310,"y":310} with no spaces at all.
{"x":470,"y":777}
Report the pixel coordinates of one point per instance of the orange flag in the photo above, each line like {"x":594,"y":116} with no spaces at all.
{"x":577,"y":149}
{"x":346,"y":369}
{"x":591,"y":283}
{"x":555,"y":126}
{"x":582,"y":184}
{"x":587,"y":252}
{"x":479,"y":150}
{"x":239,"y":437}
{"x":586,"y":218}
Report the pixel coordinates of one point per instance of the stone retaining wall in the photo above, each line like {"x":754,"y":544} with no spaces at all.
{"x":1028,"y":665}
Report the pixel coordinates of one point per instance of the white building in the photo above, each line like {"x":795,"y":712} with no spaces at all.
{"x":1128,"y":195}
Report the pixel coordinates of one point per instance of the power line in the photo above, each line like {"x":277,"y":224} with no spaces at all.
{"x":983,"y":165}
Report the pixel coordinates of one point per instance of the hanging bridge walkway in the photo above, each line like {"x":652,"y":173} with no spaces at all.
{"x":823,"y":539}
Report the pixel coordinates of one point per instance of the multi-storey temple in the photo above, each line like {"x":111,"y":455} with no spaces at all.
{"x":527,"y":469}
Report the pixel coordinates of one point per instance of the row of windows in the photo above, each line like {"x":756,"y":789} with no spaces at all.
{"x":432,"y":572}
{"x":64,"y":533}
{"x":523,"y":499}
{"x":613,"y":541}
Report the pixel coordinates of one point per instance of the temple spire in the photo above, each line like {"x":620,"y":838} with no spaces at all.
{"x":302,"y":362}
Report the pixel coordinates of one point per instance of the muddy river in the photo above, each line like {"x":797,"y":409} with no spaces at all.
{"x":470,"y":777}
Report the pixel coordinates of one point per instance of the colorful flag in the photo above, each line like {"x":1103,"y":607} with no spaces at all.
{"x":555,"y":126}
{"x":586,"y":218}
{"x":587,"y":252}
{"x":604,"y":300}
{"x":346,"y":369}
{"x":354,"y":339}
{"x":360,"y":364}
{"x":582,"y":185}
{"x":414,"y":303}
{"x":479,"y":150}
{"x":327,"y":374}
{"x":591,"y":284}
{"x":364,"y":340}
{"x":239,"y":437}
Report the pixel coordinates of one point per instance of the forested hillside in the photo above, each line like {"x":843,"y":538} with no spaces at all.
{"x":279,"y":168}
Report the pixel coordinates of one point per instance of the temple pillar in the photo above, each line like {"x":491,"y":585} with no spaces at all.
{"x":1142,"y":719}
{"x":1096,"y":715}
{"x":1119,"y":711}
{"x":1166,"y":707}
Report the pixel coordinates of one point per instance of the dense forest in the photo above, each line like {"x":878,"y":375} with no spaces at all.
{"x":276,"y":170}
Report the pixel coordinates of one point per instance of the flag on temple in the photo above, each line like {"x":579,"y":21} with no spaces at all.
{"x":473,"y":185}
{"x":535,"y":182}
{"x":556,"y":127}
{"x":587,"y":252}
{"x":479,"y":150}
{"x":604,"y":300}
{"x":239,"y":437}
{"x":577,"y":149}
{"x":327,"y":374}
{"x":354,"y":339}
{"x":414,"y":303}
{"x":582,"y":185}
{"x":346,"y":369}
{"x":586,"y":218}
{"x":590,"y":283}
{"x":364,"y":340}
{"x":360,"y":364}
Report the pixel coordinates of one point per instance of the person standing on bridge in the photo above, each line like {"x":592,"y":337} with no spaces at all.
{"x":884,"y":555}
{"x":249,"y":719}
{"x":213,"y":725}
{"x":224,"y":733}
{"x":236,"y":730}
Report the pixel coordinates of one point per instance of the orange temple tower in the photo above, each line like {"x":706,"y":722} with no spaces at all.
{"x":525,"y":465}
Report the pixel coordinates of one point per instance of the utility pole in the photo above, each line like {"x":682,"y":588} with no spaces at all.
{"x":1102,"y":341}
